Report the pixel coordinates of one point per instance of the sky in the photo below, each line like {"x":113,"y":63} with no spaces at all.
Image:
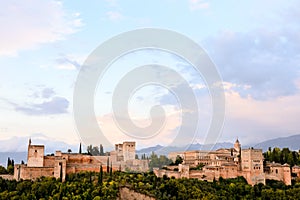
{"x":255,"y":46}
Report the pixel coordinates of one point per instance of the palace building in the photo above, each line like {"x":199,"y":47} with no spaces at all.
{"x":227,"y":163}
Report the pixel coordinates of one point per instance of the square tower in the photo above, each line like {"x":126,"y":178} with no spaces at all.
{"x":252,"y":166}
{"x":128,"y":151}
{"x":35,"y":157}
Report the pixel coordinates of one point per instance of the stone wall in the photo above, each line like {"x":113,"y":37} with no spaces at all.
{"x":25,"y":172}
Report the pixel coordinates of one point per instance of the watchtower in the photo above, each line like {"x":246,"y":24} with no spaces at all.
{"x":35,"y":156}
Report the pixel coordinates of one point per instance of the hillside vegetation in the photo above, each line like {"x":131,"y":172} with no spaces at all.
{"x":106,"y":186}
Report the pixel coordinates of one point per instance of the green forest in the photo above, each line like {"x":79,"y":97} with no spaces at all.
{"x":282,"y":156}
{"x":106,"y":186}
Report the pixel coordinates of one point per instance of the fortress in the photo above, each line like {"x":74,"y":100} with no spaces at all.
{"x":227,"y":163}
{"x":61,"y":164}
{"x":203,"y":165}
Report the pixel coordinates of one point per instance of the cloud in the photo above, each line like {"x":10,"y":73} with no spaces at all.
{"x":260,"y":59}
{"x":267,"y":58}
{"x":114,"y":16}
{"x":67,"y":62}
{"x":43,"y":92}
{"x":198,"y":5}
{"x":48,"y":92}
{"x":56,"y":105}
{"x":248,"y":117}
{"x":45,"y":103}
{"x":25,"y":25}
{"x":115,"y":135}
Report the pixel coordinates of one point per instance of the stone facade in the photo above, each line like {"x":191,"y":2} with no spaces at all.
{"x":296,"y":170}
{"x":252,"y":166}
{"x":278,"y":172}
{"x":124,"y":152}
{"x":228,"y":163}
{"x":61,"y":164}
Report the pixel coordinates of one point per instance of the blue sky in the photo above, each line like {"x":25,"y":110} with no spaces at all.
{"x":254,"y":44}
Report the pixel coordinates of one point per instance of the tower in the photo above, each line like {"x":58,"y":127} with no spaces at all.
{"x":237,"y":148}
{"x":252,"y":166}
{"x":237,"y":145}
{"x":35,"y":156}
{"x":128,"y":151}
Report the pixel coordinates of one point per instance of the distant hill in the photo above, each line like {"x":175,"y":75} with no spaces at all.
{"x":16,"y":147}
{"x":161,"y":150}
{"x":19,"y":144}
{"x":292,"y":142}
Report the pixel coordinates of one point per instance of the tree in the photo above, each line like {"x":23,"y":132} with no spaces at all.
{"x":107,"y":165}
{"x":93,"y":150}
{"x":89,"y":149}
{"x":290,"y":159}
{"x":101,"y":150}
{"x":100,"y":177}
{"x":80,"y":150}
{"x":282,"y":156}
{"x":69,"y":151}
{"x":3,"y":170}
{"x":8,"y":162}
{"x":110,"y":171}
{"x":10,"y":169}
{"x":159,"y":162}
{"x":178,"y":160}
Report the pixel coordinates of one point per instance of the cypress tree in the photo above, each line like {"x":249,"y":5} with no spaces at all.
{"x":8,"y":162}
{"x":100,"y":178}
{"x":80,"y":151}
{"x":101,"y":150}
{"x":107,"y":165}
{"x":110,"y":171}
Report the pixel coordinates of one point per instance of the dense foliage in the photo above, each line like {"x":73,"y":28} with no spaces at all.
{"x":106,"y":186}
{"x":95,"y":150}
{"x":10,"y":166}
{"x":158,"y":161}
{"x":282,"y":156}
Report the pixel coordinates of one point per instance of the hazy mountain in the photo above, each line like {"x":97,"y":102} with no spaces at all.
{"x":16,"y":147}
{"x":292,"y":142}
{"x":20,"y":144}
{"x":161,"y":150}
